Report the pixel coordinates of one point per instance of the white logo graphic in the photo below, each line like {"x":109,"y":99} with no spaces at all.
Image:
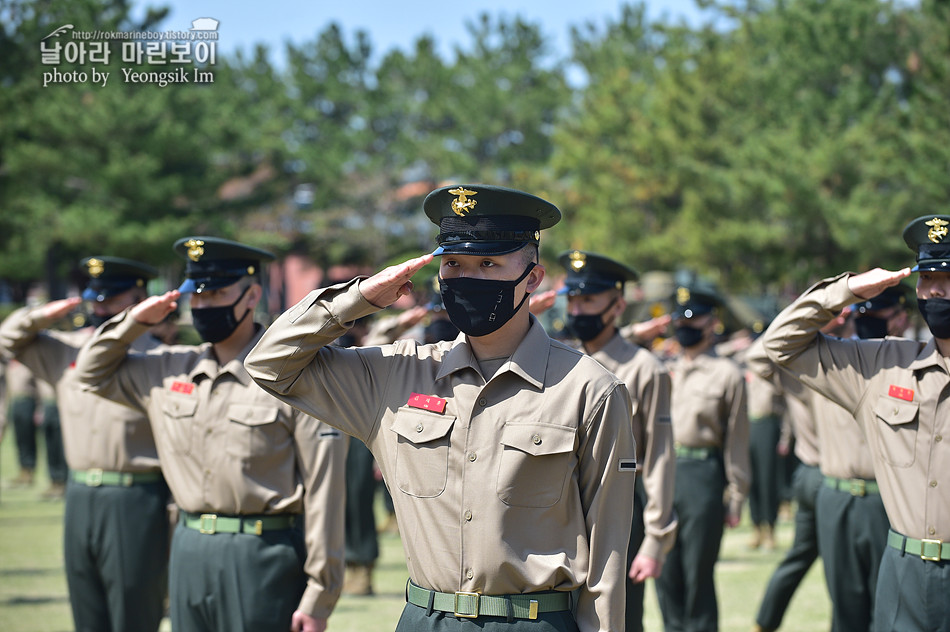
{"x":58,"y":31}
{"x":204,"y":24}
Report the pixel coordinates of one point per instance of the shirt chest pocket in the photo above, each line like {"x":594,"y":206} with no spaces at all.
{"x":536,"y":461}
{"x":422,"y":452}
{"x":896,"y":432}
{"x":179,"y":417}
{"x":252,"y":430}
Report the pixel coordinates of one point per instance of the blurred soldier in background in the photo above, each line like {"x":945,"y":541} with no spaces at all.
{"x":33,"y":408}
{"x":711,"y":435}
{"x":115,"y":523}
{"x":766,"y":410}
{"x":595,"y":288}
{"x":259,"y":484}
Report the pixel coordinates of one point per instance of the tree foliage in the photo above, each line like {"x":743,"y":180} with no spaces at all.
{"x":776,"y":142}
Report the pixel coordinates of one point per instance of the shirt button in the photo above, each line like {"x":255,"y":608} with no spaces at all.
{"x":938,"y":438}
{"x":470,"y":574}
{"x":472,"y":456}
{"x":468,"y":516}
{"x":536,"y":439}
{"x":418,"y":427}
{"x":933,"y":483}
{"x":931,"y":531}
{"x":207,"y":430}
{"x":482,"y":401}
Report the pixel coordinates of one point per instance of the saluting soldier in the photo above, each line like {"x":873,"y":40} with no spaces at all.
{"x":595,"y":300}
{"x":260,"y":485}
{"x":711,"y":435}
{"x":896,"y":390}
{"x":510,"y":456}
{"x":115,"y":522}
{"x":766,"y":410}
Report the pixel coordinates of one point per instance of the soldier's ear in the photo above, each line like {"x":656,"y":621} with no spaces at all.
{"x":535,"y":277}
{"x":254,"y":294}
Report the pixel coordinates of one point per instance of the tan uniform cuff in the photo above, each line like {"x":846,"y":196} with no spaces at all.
{"x":653,"y":548}
{"x":316,"y":602}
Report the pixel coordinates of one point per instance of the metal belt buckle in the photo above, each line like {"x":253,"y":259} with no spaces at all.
{"x":94,"y":477}
{"x":209,"y":519}
{"x":931,"y":558}
{"x":858,"y":487}
{"x":474,"y":613}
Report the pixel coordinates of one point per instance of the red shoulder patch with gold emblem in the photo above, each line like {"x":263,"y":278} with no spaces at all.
{"x":907,"y":394}
{"x":426,"y":402}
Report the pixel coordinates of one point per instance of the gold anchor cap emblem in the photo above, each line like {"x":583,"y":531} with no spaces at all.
{"x":96,"y":267}
{"x":578,"y":260}
{"x":195,"y":249}
{"x":938,"y":229}
{"x":462,"y":205}
{"x":682,"y":295}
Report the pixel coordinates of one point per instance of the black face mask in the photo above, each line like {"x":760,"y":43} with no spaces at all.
{"x":479,"y":307}
{"x":586,"y":327}
{"x":215,"y":324}
{"x":688,"y":336}
{"x":936,"y":313}
{"x":870,"y":327}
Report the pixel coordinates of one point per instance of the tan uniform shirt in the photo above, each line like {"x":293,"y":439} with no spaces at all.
{"x":897,"y":391}
{"x":20,"y":381}
{"x":764,"y":398}
{"x":97,"y":433}
{"x":798,"y":402}
{"x":710,"y":411}
{"x":227,"y":446}
{"x":648,"y":382}
{"x":518,"y":485}
{"x":841,"y":444}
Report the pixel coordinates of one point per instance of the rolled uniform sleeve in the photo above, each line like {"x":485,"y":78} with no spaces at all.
{"x":607,"y":499}
{"x":659,"y":519}
{"x":736,"y":446}
{"x":321,"y":460}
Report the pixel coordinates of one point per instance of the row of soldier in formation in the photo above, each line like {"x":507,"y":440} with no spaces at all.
{"x":511,"y":457}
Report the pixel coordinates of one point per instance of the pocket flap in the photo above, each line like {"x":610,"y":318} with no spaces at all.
{"x":538,"y":439}
{"x":418,"y":426}
{"x":252,"y":414}
{"x":180,"y":406}
{"x":895,"y":412}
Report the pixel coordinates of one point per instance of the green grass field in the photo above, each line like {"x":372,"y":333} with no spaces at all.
{"x":33,"y":595}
